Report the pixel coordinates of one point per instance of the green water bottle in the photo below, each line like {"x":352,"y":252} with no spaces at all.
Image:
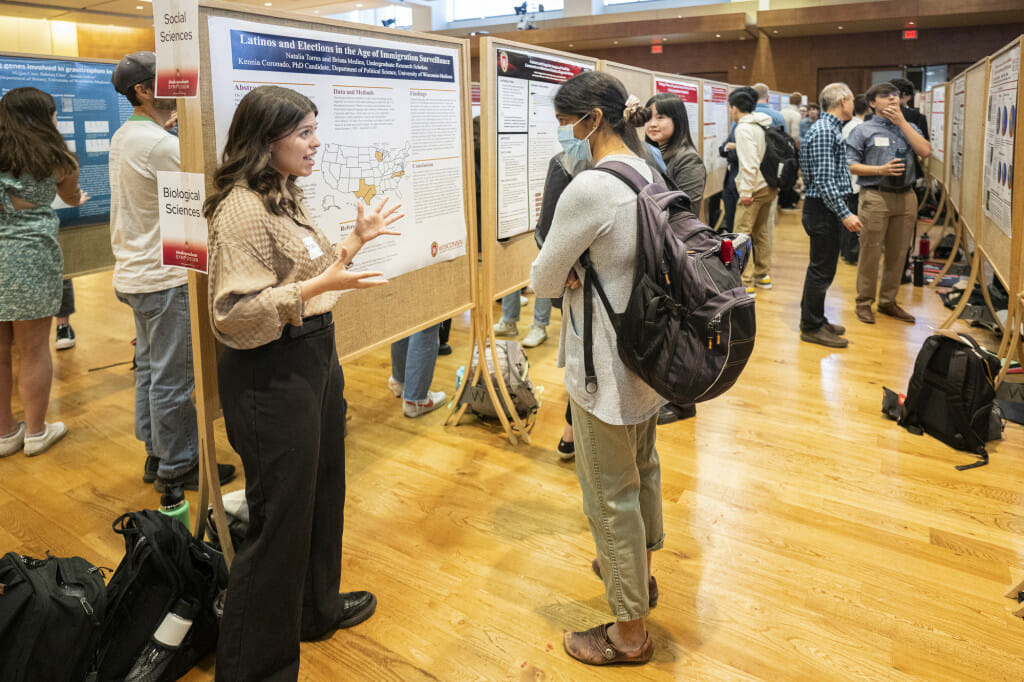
{"x":174,"y":505}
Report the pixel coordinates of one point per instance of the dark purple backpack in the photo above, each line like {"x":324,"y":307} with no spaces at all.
{"x":688,"y":328}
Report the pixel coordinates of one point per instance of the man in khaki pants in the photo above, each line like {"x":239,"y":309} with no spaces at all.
{"x":878,"y":152}
{"x":754,"y":209}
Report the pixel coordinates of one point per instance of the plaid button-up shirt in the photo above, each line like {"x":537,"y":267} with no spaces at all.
{"x":823,"y":162}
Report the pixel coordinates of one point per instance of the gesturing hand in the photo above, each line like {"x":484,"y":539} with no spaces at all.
{"x":372,"y":225}
{"x":338,"y":278}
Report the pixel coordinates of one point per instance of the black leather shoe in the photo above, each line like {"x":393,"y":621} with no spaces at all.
{"x":150,"y":468}
{"x":355,"y":608}
{"x":672,"y":413}
{"x":190,"y":480}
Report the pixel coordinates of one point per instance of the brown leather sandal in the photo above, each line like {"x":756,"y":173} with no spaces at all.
{"x":652,"y":584}
{"x":593,"y":647}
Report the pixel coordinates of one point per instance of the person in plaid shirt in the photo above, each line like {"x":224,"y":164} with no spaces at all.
{"x":826,"y":213}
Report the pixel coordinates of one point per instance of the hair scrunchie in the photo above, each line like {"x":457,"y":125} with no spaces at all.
{"x":632,"y":106}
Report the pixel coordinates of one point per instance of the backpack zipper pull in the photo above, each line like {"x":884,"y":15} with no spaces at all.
{"x":86,"y":606}
{"x":718,"y":329}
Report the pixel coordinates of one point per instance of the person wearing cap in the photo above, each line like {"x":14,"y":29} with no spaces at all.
{"x":165,"y":418}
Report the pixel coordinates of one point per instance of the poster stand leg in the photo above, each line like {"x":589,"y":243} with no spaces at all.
{"x":482,"y":330}
{"x":976,"y":267}
{"x":204,"y":348}
{"x":204,"y":351}
{"x":1010,"y":349}
{"x":958,"y":233}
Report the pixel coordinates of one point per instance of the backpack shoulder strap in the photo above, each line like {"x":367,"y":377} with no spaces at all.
{"x":629,"y":175}
{"x":957,"y":377}
{"x":909,"y":417}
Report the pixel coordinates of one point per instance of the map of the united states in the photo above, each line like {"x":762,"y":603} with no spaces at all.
{"x":364,"y":171}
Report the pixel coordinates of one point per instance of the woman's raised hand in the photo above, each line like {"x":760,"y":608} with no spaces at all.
{"x":337,"y":277}
{"x":372,"y":225}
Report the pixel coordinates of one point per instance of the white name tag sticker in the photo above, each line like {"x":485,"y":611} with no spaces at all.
{"x":881,"y":141}
{"x":312,"y":247}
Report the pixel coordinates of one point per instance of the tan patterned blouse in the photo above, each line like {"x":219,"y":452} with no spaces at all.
{"x":257,"y":262}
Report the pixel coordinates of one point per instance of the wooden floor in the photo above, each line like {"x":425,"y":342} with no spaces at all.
{"x":809,"y":538}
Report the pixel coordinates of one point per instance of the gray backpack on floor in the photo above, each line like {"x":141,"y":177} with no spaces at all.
{"x":515,"y":370}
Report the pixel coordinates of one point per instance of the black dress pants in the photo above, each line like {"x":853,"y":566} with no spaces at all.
{"x":285,"y":416}
{"x":825,"y":230}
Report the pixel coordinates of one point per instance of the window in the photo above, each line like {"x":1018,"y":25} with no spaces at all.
{"x":402,"y":16}
{"x":461,"y":10}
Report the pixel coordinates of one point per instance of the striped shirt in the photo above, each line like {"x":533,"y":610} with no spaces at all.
{"x":823,"y":162}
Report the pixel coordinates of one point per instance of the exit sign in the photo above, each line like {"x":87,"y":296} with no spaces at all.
{"x":655,"y":49}
{"x":910,"y":34}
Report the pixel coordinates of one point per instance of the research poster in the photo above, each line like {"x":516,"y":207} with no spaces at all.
{"x":716,"y":131}
{"x":89,"y":111}
{"x":526,"y":84}
{"x":956,"y":125}
{"x":690,"y":94}
{"x":937,"y":122}
{"x":389,"y":124}
{"x":1000,"y":128}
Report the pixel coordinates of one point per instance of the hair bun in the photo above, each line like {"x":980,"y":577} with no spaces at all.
{"x":634,"y":113}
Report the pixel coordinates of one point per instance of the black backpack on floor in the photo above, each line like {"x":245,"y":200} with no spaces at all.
{"x":952,"y":395}
{"x":688,"y":328}
{"x":50,"y":615}
{"x":163,"y":564}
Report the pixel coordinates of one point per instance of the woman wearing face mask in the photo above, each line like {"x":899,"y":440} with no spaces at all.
{"x":274,"y":278}
{"x":669,"y":131}
{"x":616,"y":461}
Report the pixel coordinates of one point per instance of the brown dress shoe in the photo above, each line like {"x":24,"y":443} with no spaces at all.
{"x":824,"y":337}
{"x":836,"y":329}
{"x":893,"y":310}
{"x":652,"y":584}
{"x":594,"y":647}
{"x":864,"y":314}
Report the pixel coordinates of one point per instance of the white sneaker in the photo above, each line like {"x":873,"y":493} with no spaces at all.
{"x":418,"y":408}
{"x":765,"y":282}
{"x":537,"y":336}
{"x":506,"y":328}
{"x":14,"y":442}
{"x":53,"y":432}
{"x":395,"y":387}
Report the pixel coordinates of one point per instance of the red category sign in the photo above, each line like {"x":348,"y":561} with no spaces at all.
{"x":686,"y":91}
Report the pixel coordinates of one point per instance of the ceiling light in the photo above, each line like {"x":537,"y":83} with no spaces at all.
{"x":840,"y":28}
{"x":718,"y":35}
{"x":775,"y":31}
{"x":910,"y":23}
{"x":268,"y":4}
{"x":615,"y":42}
{"x":570,"y":44}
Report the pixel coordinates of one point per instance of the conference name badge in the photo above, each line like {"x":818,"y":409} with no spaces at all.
{"x":176,"y":24}
{"x":312,"y":247}
{"x":881,"y":141}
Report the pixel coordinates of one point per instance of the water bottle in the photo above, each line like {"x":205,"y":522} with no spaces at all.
{"x":918,"y":271}
{"x":924,"y":246}
{"x":156,"y":656}
{"x":174,"y":505}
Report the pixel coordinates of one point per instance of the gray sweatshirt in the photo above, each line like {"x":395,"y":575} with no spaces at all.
{"x":596,"y":211}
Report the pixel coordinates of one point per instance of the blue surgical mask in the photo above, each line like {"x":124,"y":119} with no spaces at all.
{"x":578,"y":150}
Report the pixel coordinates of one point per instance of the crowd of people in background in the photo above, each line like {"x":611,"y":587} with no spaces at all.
{"x":275,"y":277}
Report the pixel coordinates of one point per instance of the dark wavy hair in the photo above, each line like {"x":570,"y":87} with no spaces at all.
{"x":264,"y":116}
{"x":672,"y":106}
{"x":591,"y":90}
{"x":29,"y":142}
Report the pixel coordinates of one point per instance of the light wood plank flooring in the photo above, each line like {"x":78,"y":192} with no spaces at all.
{"x":809,"y":538}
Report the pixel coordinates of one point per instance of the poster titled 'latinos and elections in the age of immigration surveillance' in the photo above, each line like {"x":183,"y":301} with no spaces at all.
{"x":527,"y":133}
{"x":389,"y":123}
